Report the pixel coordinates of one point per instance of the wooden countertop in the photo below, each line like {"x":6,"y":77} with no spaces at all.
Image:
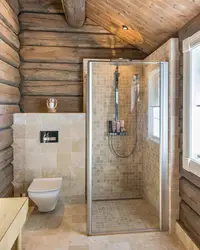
{"x":13,"y":213}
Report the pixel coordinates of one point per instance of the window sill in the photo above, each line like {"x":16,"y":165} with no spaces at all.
{"x":154,"y":140}
{"x":192,"y":166}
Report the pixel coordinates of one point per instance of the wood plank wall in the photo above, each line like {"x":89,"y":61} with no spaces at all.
{"x":189,"y":183}
{"x":9,"y":91}
{"x":52,"y":55}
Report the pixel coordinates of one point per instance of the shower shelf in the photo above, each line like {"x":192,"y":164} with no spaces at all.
{"x":118,"y":134}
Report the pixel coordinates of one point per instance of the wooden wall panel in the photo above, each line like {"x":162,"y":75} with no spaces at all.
{"x":52,"y":66}
{"x":190,"y":194}
{"x":37,"y":104}
{"x":55,"y":23}
{"x":58,"y":88}
{"x":74,"y":55}
{"x":51,"y":74}
{"x":190,"y":221}
{"x":9,"y":92}
{"x":52,"y":55}
{"x":78,"y":40}
{"x":189,"y":183}
{"x":44,"y":6}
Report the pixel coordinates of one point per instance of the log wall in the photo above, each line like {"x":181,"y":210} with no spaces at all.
{"x":189,"y":183}
{"x":9,"y":89}
{"x":52,"y":55}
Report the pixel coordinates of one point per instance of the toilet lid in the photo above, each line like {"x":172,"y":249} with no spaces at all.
{"x":45,"y":185}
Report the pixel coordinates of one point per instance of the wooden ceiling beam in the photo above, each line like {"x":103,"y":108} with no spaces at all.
{"x":74,"y":12}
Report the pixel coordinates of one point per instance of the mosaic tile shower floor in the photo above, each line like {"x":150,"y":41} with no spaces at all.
{"x":65,"y":229}
{"x":123,"y":215}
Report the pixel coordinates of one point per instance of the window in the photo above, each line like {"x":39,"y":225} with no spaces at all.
{"x":154,"y":106}
{"x":191,"y":104}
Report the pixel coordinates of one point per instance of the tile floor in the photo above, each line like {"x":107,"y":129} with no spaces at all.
{"x":65,"y":229}
{"x":123,"y":215}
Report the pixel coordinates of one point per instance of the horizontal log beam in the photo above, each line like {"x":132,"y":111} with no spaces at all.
{"x":190,"y":220}
{"x":8,"y":54}
{"x":14,"y":4}
{"x":74,"y":55}
{"x":8,"y":36}
{"x":6,"y":121}
{"x":74,"y":12}
{"x":191,"y":177}
{"x":9,"y":94}
{"x":7,"y":192}
{"x":6,"y":157}
{"x":9,"y":74}
{"x":55,"y":88}
{"x":52,"y":66}
{"x":44,"y":6}
{"x":6,"y":138}
{"x":50,"y":74}
{"x":8,"y":16}
{"x":56,"y":23}
{"x":9,"y":109}
{"x":190,"y":194}
{"x":37,"y":104}
{"x":6,"y":177}
{"x":60,"y":39}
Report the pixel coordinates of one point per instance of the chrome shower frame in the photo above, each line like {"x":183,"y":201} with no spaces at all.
{"x":164,"y":179}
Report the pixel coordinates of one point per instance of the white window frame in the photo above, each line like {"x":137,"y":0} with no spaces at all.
{"x":189,"y":163}
{"x":152,"y":75}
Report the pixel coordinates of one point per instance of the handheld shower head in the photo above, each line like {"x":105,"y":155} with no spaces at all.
{"x":136,"y":77}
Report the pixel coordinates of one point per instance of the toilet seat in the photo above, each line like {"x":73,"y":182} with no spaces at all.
{"x":45,"y":185}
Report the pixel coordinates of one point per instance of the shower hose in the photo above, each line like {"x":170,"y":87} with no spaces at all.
{"x":111,"y":143}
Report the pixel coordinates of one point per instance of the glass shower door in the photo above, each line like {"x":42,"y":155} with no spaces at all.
{"x":126,"y":168}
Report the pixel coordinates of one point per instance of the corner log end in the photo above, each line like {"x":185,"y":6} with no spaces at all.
{"x":74,"y":12}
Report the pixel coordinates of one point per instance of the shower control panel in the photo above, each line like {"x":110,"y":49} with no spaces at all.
{"x":116,"y":128}
{"x":48,"y":136}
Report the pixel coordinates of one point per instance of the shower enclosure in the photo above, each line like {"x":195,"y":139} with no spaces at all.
{"x":127,"y":146}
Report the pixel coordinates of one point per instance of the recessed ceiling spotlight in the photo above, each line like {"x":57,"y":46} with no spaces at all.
{"x":124,"y":27}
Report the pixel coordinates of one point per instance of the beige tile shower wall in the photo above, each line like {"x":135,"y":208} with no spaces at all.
{"x":168,"y":52}
{"x":113,"y":177}
{"x":151,"y":151}
{"x":33,"y":159}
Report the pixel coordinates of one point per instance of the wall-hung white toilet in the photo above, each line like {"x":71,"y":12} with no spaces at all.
{"x":44,"y":192}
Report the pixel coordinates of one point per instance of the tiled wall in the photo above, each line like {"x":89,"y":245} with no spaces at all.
{"x":33,"y":159}
{"x":168,"y":52}
{"x":113,"y":177}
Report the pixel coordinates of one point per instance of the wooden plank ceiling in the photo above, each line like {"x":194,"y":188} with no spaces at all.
{"x":150,"y":22}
